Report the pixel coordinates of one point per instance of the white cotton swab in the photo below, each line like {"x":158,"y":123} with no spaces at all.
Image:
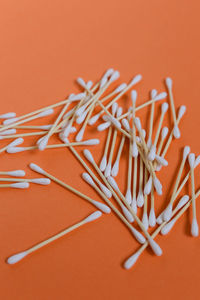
{"x":41,"y":181}
{"x":8,"y":132}
{"x":134,"y":144}
{"x":115,"y":168}
{"x":14,"y":173}
{"x":17,"y":257}
{"x":152,"y":216}
{"x":103,"y":188}
{"x":18,"y":185}
{"x":140,"y":197}
{"x":149,"y":141}
{"x":194,"y":227}
{"x":12,"y":144}
{"x":176,"y":131}
{"x":8,"y":115}
{"x":128,"y":191}
{"x":103,"y":162}
{"x":145,"y":220}
{"x":164,"y":134}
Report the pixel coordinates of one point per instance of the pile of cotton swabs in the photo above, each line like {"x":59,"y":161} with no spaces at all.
{"x":146,"y":157}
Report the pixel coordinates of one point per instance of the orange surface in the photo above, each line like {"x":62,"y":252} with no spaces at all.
{"x":45,"y":45}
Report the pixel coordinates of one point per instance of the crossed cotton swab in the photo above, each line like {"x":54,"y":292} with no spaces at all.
{"x":19,"y":256}
{"x":195,"y":227}
{"x":99,"y":205}
{"x":133,"y":258}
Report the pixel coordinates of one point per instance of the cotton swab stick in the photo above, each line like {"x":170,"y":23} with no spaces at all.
{"x":140,"y":197}
{"x":23,"y":135}
{"x":176,"y":131}
{"x":91,"y":142}
{"x":145,"y":220}
{"x":103,"y":162}
{"x":134,"y":144}
{"x":134,"y":201}
{"x":32,"y":127}
{"x":97,"y":204}
{"x":115,"y":168}
{"x":41,"y":181}
{"x":17,"y":257}
{"x":8,"y":132}
{"x":168,"y":211}
{"x":133,"y":258}
{"x":134,"y":81}
{"x":195,"y":227}
{"x":8,"y":115}
{"x":12,"y":144}
{"x":164,"y":133}
{"x":18,"y":185}
{"x":149,"y":141}
{"x":128,"y":191}
{"x":152,"y":217}
{"x":152,"y":152}
{"x":15,"y":173}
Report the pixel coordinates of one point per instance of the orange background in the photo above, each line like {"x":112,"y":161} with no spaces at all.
{"x":44,"y":46}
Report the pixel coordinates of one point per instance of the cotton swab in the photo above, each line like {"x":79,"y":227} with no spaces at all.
{"x":8,"y":132}
{"x":99,"y":205}
{"x":8,"y":115}
{"x":103,"y":162}
{"x":18,"y":185}
{"x":152,"y":152}
{"x":195,"y":227}
{"x":140,"y":197}
{"x":133,"y":258}
{"x":17,"y":257}
{"x":168,"y":211}
{"x":149,"y":141}
{"x":134,"y":201}
{"x":41,"y":181}
{"x":104,"y":191}
{"x":176,"y":131}
{"x":134,"y":144}
{"x":32,"y":127}
{"x":15,"y":173}
{"x":145,"y":220}
{"x":115,"y":168}
{"x":12,"y":144}
{"x":164,"y":133}
{"x":128,"y":191}
{"x":152,"y":217}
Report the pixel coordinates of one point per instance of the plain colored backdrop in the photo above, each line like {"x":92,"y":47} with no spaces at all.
{"x":44,"y":46}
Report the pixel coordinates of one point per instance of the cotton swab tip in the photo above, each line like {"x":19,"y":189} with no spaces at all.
{"x":88,"y":155}
{"x":186,"y":152}
{"x":103,"y":164}
{"x":135,"y":80}
{"x":126,"y":125}
{"x":138,"y":124}
{"x":42,"y":181}
{"x":131,"y":260}
{"x":160,"y":96}
{"x":91,"y":142}
{"x":103,"y":126}
{"x":114,"y":108}
{"x":164,"y":132}
{"x":148,"y":186}
{"x":182,"y":201}
{"x":155,"y":247}
{"x":166,"y":229}
{"x":176,"y":132}
{"x":140,"y":199}
{"x":127,"y":214}
{"x":113,"y":183}
{"x":152,"y":218}
{"x":10,"y":121}
{"x":152,"y":153}
{"x":191,"y":159}
{"x":80,"y":134}
{"x":108,"y":170}
{"x":20,"y":185}
{"x":194,"y":228}
{"x":114,"y":76}
{"x":167,"y":214}
{"x":16,"y":173}
{"x":36,"y":168}
{"x":115,"y":169}
{"x":88,"y":179}
{"x":133,"y":96}
{"x":105,"y":190}
{"x":43,"y":143}
{"x":128,"y":196}
{"x":145,"y":221}
{"x":97,"y":214}
{"x":8,"y":115}
{"x":93,"y":120}
{"x":153,"y":93}
{"x":120,"y":88}
{"x":168,"y":82}
{"x":158,"y":186}
{"x":164,"y":107}
{"x":134,"y":149}
{"x":17,"y":257}
{"x":46,"y":113}
{"x":181,"y":111}
{"x":104,"y":208}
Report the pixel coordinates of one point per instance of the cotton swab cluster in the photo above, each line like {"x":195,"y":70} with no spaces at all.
{"x":145,"y":153}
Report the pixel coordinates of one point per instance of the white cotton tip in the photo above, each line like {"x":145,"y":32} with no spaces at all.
{"x":139,"y":237}
{"x":166,"y":229}
{"x":138,"y":124}
{"x":186,"y":152}
{"x":164,"y":132}
{"x":104,"y":208}
{"x":12,"y":150}
{"x":119,"y":112}
{"x":105,"y":190}
{"x":36,"y":168}
{"x":182,"y":202}
{"x":167,"y":214}
{"x":133,"y":96}
{"x":197,"y":161}
{"x":77,"y":97}
{"x":103,"y":164}
{"x":128,"y":196}
{"x":115,"y":122}
{"x":181,"y":111}
{"x":103,"y":82}
{"x":126,"y":125}
{"x":114,"y":108}
{"x":158,"y":168}
{"x":153,"y":93}
{"x":115,"y":168}
{"x":109,"y":72}
{"x":140,"y":199}
{"x":88,"y":179}
{"x":20,"y":185}
{"x":149,"y":143}
{"x":43,"y":143}
{"x":80,"y":134}
{"x":176,"y":132}
{"x":107,"y":172}
{"x":88,"y":155}
{"x":120,"y":88}
{"x":145,"y":221}
{"x":9,"y":131}
{"x":131,"y":260}
{"x":8,"y":115}
{"x":82,"y":117}
{"x":114,"y":76}
{"x":159,"y":219}
{"x":161,"y":160}
{"x":93,"y":120}
{"x":89,"y":84}
{"x":66,"y":131}
{"x":73,"y":129}
{"x":127,"y":214}
{"x":155,"y":247}
{"x":103,"y":126}
{"x":164,"y":107}
{"x":40,"y":139}
{"x":91,"y":142}
{"x":10,"y":121}
{"x":191,"y":159}
{"x":97,"y":214}
{"x":152,"y":218}
{"x":113,"y":183}
{"x":152,"y":153}
{"x":45,"y":113}
{"x":168,"y":82}
{"x":16,"y":142}
{"x":17,"y":257}
{"x":158,"y":186}
{"x":16,"y":173}
{"x":194,"y":228}
{"x":45,"y":127}
{"x":42,"y":181}
{"x":81,"y":82}
{"x":144,"y":133}
{"x":160,"y":96}
{"x":134,"y":205}
{"x":148,"y":186}
{"x":80,"y":110}
{"x":135,"y":80}
{"x":134,"y":149}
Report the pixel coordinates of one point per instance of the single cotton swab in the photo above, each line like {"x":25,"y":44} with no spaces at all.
{"x":15,"y":173}
{"x":17,"y":257}
{"x":128,"y":191}
{"x":41,"y":181}
{"x":18,"y":185}
{"x":134,"y":144}
{"x":152,"y":217}
{"x":145,"y":220}
{"x":149,"y":141}
{"x":115,"y":168}
{"x":194,"y":227}
{"x":140,"y":197}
